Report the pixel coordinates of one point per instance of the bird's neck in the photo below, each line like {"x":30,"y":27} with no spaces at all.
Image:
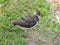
{"x":35,"y":13}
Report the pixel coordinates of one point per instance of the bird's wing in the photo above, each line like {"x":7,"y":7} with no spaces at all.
{"x":29,"y":19}
{"x":25,"y":17}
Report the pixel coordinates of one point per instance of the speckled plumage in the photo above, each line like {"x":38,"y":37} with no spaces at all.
{"x":27,"y":21}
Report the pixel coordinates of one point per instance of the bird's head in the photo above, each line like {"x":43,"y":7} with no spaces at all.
{"x":37,"y":12}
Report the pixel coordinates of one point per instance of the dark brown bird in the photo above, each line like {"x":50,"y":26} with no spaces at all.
{"x":27,"y":21}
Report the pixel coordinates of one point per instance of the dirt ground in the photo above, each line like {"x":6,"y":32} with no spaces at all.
{"x":55,"y":8}
{"x":48,"y":37}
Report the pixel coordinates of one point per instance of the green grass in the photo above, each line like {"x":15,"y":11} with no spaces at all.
{"x":12,"y":9}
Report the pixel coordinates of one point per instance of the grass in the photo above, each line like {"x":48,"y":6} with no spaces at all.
{"x":13,"y":9}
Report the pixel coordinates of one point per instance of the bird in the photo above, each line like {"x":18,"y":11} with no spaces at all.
{"x":27,"y":21}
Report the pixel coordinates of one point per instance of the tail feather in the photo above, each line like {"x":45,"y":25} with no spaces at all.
{"x":14,"y":22}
